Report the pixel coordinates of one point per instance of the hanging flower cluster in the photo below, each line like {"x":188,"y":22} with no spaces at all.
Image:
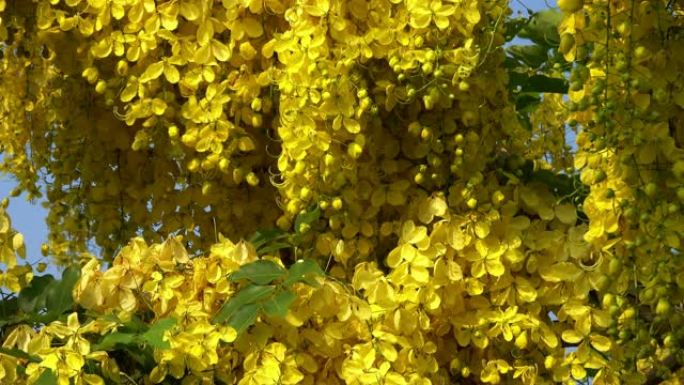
{"x":627,"y":94}
{"x":405,"y":225}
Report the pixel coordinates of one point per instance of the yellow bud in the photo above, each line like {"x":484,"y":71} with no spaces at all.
{"x":304,"y":228}
{"x":173,"y":131}
{"x":354,"y":150}
{"x":101,"y":87}
{"x":624,"y":27}
{"x":256,"y":104}
{"x":629,"y":313}
{"x":305,"y":193}
{"x":678,"y":169}
{"x":337,"y":204}
{"x":257,"y":120}
{"x":283,"y":223}
{"x":90,"y":74}
{"x":472,"y":203}
{"x":472,"y":136}
{"x":549,"y":362}
{"x":651,"y":189}
{"x":364,"y":246}
{"x":367,"y":229}
{"x":122,"y":67}
{"x":189,"y":139}
{"x":608,"y":300}
{"x":238,"y":175}
{"x":498,"y":197}
{"x":292,"y":207}
{"x":386,"y":229}
{"x":414,"y":128}
{"x":209,"y":163}
{"x":641,"y":52}
{"x":223,"y":164}
{"x":252,"y":179}
{"x":335,"y":222}
{"x":663,"y":307}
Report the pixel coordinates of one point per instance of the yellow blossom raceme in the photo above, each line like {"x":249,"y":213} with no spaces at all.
{"x":129,"y":56}
{"x":12,"y":275}
{"x":625,"y":101}
{"x":384,"y":139}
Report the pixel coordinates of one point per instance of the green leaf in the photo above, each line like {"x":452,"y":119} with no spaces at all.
{"x":32,"y":297}
{"x":248,"y":295}
{"x":245,"y":317}
{"x":261,"y":272}
{"x":112,"y":340}
{"x":308,"y":217}
{"x":59,"y":297}
{"x":304,"y":270}
{"x":532,"y":55}
{"x":527,"y":102}
{"x":536,"y":83}
{"x":541,"y":83}
{"x":513,"y":27}
{"x":154,"y":336}
{"x":542,"y":28}
{"x":18,"y":353}
{"x":274,"y":247}
{"x":48,"y":377}
{"x":143,"y":356}
{"x":9,"y":312}
{"x":135,"y":324}
{"x":279,"y":304}
{"x":265,"y":236}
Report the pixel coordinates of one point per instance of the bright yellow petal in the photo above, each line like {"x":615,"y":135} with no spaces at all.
{"x":420,"y":19}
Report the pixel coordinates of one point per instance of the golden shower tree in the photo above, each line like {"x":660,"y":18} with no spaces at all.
{"x":344,"y":192}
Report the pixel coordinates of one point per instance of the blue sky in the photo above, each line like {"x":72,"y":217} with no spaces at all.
{"x":535,"y":5}
{"x":29,"y":217}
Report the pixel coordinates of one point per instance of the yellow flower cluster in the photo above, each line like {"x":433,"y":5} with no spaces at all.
{"x":404,"y":98}
{"x":457,"y":248}
{"x":627,"y":94}
{"x":160,"y":279}
{"x":549,"y":141}
{"x":13,"y":276}
{"x":147,"y":116}
{"x":465,"y":297}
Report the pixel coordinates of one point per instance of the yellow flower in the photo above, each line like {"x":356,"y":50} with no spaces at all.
{"x":424,"y":12}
